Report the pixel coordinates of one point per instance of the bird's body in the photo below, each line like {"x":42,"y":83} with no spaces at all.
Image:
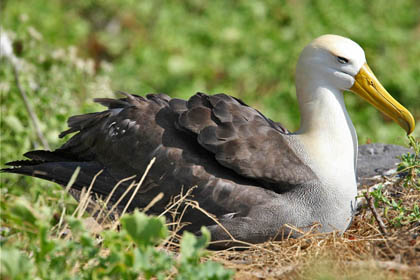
{"x":250,"y":172}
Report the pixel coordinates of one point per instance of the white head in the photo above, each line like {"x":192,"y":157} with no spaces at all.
{"x":337,"y":63}
{"x":330,"y":60}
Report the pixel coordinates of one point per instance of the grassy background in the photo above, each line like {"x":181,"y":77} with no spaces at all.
{"x":245,"y":48}
{"x":71,"y":51}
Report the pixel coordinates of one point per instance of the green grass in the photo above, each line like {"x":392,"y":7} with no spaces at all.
{"x":34,"y":246}
{"x":247,"y":49}
{"x":73,"y":51}
{"x":397,"y":212}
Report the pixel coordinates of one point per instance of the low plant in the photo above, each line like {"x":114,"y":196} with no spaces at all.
{"x":396,"y":210}
{"x":410,"y":163}
{"x":35,"y":245}
{"x":401,"y":214}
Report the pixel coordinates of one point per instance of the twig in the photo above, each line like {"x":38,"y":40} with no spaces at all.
{"x":173,"y":207}
{"x":194,"y":204}
{"x":138,"y":185}
{"x":378,"y":218}
{"x":32,"y":115}
{"x":180,"y":200}
{"x":110,"y":196}
{"x":155,"y":200}
{"x":87,"y":199}
{"x":114,"y":206}
{"x":408,"y":168}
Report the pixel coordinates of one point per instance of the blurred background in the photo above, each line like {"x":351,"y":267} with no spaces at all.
{"x":70,"y":51}
{"x":64,"y":53}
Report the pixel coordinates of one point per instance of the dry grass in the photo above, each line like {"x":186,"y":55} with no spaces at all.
{"x":360,"y":251}
{"x":364,"y":251}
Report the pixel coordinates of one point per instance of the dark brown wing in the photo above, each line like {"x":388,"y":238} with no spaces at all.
{"x":122,"y":140}
{"x":240,"y":161}
{"x":242,"y":139}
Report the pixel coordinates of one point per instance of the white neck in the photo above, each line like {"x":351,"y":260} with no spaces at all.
{"x":326,"y":131}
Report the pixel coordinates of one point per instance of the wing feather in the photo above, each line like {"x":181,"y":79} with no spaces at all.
{"x":243,"y":139}
{"x":216,"y":142}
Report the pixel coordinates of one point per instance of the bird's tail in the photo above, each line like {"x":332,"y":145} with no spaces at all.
{"x":55,"y":167}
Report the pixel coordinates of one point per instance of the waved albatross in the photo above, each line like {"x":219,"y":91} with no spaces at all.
{"x":251,"y":173}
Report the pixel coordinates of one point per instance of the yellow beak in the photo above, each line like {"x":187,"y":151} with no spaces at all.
{"x":367,"y":86}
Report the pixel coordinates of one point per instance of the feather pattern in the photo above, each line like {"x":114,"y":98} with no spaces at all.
{"x":233,"y":153}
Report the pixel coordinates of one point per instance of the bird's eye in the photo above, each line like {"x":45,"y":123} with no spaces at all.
{"x":342,"y":60}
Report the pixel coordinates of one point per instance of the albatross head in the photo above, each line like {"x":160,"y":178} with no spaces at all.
{"x":338,"y":63}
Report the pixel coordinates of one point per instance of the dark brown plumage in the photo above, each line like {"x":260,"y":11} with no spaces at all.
{"x":237,"y":157}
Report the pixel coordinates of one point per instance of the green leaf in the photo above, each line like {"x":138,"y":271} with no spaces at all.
{"x":145,"y":231}
{"x":76,"y":225}
{"x":192,"y":247}
{"x":14,"y":264}
{"x":46,"y":244}
{"x":213,"y":271}
{"x":21,"y":210}
{"x":153,"y":263}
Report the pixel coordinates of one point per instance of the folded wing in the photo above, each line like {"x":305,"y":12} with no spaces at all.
{"x":242,"y":139}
